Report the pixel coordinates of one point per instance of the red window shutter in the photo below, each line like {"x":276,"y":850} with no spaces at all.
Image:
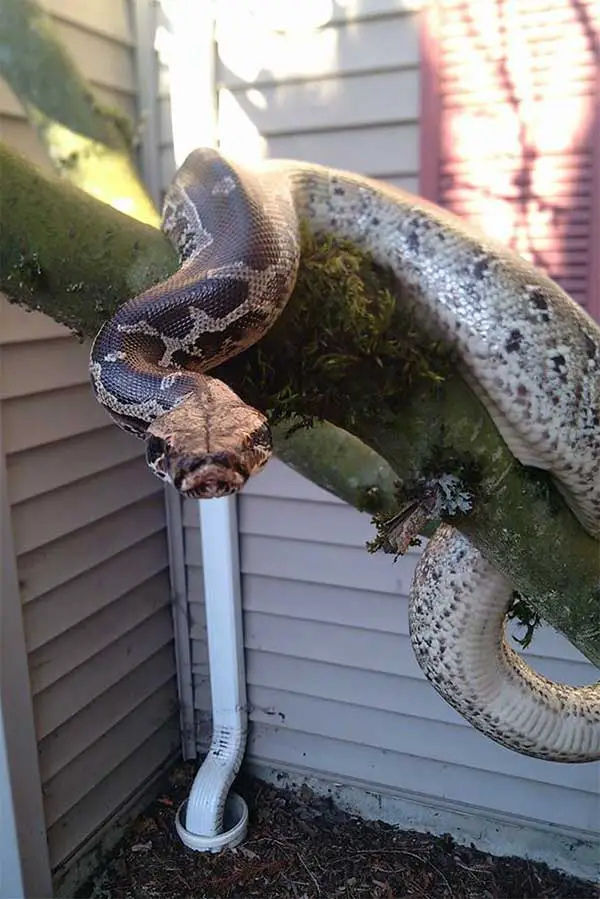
{"x":511,"y":128}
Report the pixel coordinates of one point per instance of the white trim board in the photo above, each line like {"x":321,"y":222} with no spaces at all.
{"x":21,"y":784}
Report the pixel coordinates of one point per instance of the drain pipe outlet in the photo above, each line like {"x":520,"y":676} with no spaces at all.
{"x":214,"y":817}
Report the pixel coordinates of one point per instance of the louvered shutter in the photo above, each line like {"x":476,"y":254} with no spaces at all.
{"x":511,"y":100}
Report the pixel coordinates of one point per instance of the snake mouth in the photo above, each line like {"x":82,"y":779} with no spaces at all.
{"x":209,"y":476}
{"x":181,"y":459}
{"x":211,"y":480}
{"x":206,"y":476}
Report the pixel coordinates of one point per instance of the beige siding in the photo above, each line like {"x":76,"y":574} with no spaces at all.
{"x":166,"y":150}
{"x":88,"y":525}
{"x":340,"y":93}
{"x":343,"y":92}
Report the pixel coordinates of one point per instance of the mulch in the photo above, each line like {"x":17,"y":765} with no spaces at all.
{"x":300,"y":846}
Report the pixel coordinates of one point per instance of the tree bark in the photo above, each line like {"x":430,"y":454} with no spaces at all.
{"x":345,"y":350}
{"x":80,"y":135}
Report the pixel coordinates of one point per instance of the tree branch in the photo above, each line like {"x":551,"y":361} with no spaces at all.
{"x":345,"y":351}
{"x":80,"y":135}
{"x":68,"y":255}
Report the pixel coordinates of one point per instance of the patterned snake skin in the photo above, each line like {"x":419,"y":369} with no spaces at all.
{"x":529,"y":352}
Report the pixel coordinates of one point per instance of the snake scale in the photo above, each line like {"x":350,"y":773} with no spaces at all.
{"x":528,"y":351}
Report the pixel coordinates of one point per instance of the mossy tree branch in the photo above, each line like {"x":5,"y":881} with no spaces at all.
{"x":343,"y":351}
{"x":81,"y":136}
{"x":68,"y":255}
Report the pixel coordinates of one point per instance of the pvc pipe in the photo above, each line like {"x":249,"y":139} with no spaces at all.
{"x":214,"y":819}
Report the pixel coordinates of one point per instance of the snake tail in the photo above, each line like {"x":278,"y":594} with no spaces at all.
{"x":457,"y":614}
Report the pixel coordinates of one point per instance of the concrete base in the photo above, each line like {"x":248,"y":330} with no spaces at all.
{"x":574,"y":852}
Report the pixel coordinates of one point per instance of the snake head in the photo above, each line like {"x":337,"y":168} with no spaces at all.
{"x":208,"y":449}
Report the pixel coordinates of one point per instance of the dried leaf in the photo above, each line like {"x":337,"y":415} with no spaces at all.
{"x":141,"y":847}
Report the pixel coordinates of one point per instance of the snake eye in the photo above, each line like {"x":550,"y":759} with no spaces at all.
{"x":260,"y":437}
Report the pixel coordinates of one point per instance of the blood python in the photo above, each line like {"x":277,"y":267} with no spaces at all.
{"x":528,"y":351}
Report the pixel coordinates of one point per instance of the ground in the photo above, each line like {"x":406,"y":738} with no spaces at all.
{"x":300,"y":846}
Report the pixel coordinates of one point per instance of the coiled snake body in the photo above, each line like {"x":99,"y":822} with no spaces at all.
{"x":527,"y":350}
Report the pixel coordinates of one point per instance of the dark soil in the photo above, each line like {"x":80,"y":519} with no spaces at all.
{"x":301,"y":846}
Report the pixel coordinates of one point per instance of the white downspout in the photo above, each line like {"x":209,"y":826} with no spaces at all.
{"x":212,"y":817}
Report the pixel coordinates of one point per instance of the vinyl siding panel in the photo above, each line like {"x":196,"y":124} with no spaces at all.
{"x":107,"y":796}
{"x":335,"y":93}
{"x":89,"y":547}
{"x":342,"y":93}
{"x":166,"y":151}
{"x":64,"y":698}
{"x":67,"y":788}
{"x":48,"y":616}
{"x":344,"y":47}
{"x":110,"y":20}
{"x":353,"y":102}
{"x":385,"y":769}
{"x":48,"y":467}
{"x":55,"y":659}
{"x":56,"y":514}
{"x":75,"y":735}
{"x":69,"y":413}
{"x":88,"y":524}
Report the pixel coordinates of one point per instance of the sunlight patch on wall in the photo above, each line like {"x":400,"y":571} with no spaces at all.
{"x":272,"y":40}
{"x":352,"y":9}
{"x":286,"y":15}
{"x":533,"y":118}
{"x":185,"y":45}
{"x":238,"y":136}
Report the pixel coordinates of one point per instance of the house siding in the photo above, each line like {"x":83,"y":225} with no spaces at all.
{"x":333,"y":686}
{"x":343,"y":92}
{"x":88,"y":524}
